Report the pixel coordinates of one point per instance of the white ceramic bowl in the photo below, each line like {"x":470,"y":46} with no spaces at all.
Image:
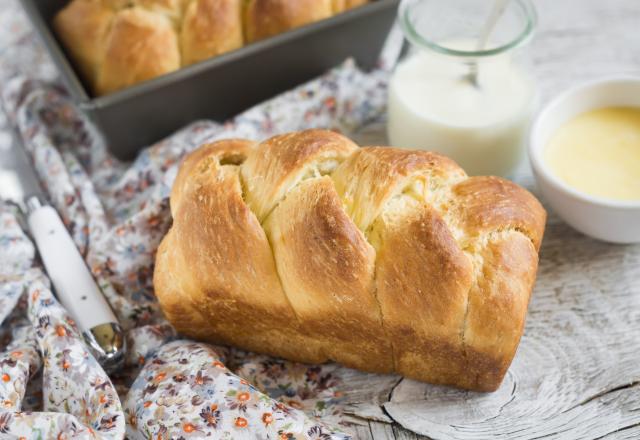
{"x":609,"y":220}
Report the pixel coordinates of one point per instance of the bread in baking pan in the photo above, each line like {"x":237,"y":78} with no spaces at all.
{"x":83,"y":27}
{"x":210,"y":28}
{"x":311,"y":248}
{"x":343,"y":5}
{"x":118,"y":43}
{"x":140,"y":46}
{"x":265,"y":18}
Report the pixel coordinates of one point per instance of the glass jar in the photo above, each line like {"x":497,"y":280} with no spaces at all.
{"x":470,"y":101}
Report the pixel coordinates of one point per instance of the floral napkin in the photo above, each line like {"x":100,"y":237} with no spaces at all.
{"x":117,"y":213}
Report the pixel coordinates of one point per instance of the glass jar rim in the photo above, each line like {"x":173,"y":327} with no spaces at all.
{"x":415,"y":37}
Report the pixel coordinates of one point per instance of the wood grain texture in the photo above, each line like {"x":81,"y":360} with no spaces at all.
{"x":577,"y":372}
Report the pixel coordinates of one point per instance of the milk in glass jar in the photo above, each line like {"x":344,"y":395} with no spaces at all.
{"x":464,"y":87}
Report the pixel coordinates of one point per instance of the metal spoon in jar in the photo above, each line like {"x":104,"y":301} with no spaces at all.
{"x":499,"y":6}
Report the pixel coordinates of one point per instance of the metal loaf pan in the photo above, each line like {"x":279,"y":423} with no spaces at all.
{"x":222,"y":86}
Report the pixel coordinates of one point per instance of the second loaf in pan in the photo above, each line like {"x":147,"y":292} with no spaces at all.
{"x":118,"y":43}
{"x":310,"y":248}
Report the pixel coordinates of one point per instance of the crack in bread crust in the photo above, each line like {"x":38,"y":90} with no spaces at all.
{"x":378,"y":258}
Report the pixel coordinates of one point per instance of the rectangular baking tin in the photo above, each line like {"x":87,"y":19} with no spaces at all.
{"x":220,"y":87}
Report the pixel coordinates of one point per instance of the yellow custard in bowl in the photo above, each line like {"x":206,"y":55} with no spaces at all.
{"x":598,"y":153}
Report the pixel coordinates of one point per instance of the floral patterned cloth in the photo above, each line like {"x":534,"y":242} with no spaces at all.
{"x":117,"y":213}
{"x":191,"y":379}
{"x":43,"y":336}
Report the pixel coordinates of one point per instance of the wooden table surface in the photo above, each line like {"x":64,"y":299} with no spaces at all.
{"x":577,"y":371}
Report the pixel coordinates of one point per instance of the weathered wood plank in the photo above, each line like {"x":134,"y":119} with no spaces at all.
{"x":362,"y":432}
{"x":630,"y":433}
{"x":367,"y":393}
{"x":382,"y":431}
{"x":402,"y":434}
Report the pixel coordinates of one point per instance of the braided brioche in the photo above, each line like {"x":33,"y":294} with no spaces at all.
{"x":310,"y":248}
{"x":117,"y":43}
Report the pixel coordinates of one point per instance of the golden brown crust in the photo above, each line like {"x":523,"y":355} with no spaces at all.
{"x":498,"y":306}
{"x":422,"y":280}
{"x":82,"y":26}
{"x":309,"y":248}
{"x":264,"y":18}
{"x":140,"y":46}
{"x":210,"y":28}
{"x":491,"y":203}
{"x":171,"y":9}
{"x":332,"y":293}
{"x":175,"y":300}
{"x":231,"y":151}
{"x":373,"y":175}
{"x":230,"y":263}
{"x":283,"y":161}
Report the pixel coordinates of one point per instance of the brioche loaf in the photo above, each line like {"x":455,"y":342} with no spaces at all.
{"x":118,"y":43}
{"x":310,"y":248}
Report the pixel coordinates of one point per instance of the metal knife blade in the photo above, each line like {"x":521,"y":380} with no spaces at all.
{"x":18,"y":181}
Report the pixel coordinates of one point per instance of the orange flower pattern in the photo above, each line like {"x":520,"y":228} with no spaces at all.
{"x":209,"y":401}
{"x":39,"y":343}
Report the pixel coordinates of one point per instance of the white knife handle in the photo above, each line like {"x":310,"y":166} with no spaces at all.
{"x":74,"y":285}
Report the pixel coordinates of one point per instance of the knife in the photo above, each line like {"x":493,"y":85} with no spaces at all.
{"x":73,"y":283}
